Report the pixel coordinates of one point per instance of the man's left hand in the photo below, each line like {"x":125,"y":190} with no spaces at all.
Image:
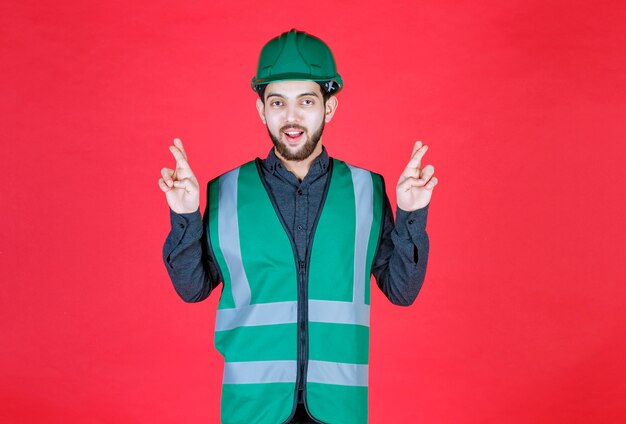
{"x":416,"y":184}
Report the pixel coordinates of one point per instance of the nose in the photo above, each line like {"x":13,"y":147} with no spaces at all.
{"x":292,"y":114}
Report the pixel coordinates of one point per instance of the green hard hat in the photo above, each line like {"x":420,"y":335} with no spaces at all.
{"x":296,"y":55}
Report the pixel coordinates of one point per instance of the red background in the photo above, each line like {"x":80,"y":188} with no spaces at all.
{"x":521,"y":317}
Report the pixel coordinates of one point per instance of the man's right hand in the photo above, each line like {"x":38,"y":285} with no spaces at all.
{"x":180,"y":185}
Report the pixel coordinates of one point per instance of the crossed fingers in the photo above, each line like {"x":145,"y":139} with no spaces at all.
{"x":412,"y":169}
{"x":415,"y":176}
{"x":170,"y":177}
{"x":179,"y":154}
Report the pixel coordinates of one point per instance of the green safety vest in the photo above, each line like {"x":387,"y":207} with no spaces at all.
{"x":281,"y":323}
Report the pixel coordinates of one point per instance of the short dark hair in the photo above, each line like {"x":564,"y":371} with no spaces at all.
{"x":325,"y":94}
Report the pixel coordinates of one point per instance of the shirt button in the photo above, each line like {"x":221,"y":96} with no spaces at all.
{"x":300,"y":227}
{"x":181,"y":225}
{"x":411,"y":222}
{"x":300,"y":192}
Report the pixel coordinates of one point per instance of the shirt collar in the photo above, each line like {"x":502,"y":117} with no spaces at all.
{"x":319,"y":165}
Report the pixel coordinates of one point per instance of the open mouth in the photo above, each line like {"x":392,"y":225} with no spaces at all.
{"x":293,"y":136}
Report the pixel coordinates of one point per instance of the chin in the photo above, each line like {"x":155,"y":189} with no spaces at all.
{"x":299,"y":152}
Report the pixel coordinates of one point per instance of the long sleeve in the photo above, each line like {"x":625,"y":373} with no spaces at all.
{"x":400,"y":262}
{"x":191,"y":267}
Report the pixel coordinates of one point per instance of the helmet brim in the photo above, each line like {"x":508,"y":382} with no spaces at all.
{"x":297,"y":77}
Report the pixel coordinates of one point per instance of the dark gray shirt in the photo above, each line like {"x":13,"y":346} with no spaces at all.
{"x":399,"y":263}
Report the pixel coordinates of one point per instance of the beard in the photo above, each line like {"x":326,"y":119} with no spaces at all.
{"x":305,"y":150}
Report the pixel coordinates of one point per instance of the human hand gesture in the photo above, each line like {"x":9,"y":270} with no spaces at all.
{"x":416,"y":184}
{"x":180,"y":185}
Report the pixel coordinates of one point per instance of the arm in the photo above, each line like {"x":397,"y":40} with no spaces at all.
{"x":191,"y":267}
{"x":400,"y":262}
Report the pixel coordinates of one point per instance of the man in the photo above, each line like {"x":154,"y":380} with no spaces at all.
{"x":294,"y":239}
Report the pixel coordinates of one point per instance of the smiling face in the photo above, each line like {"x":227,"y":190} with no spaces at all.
{"x":294,"y":113}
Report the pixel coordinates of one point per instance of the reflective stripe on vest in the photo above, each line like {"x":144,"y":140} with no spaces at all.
{"x":256,"y":323}
{"x":283,"y":372}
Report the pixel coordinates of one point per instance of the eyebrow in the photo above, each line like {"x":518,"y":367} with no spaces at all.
{"x":307,"y":93}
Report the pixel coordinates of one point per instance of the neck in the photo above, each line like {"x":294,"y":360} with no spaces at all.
{"x":300,"y":168}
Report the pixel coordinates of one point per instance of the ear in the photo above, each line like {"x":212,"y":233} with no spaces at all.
{"x":330,"y":108}
{"x":260,"y":107}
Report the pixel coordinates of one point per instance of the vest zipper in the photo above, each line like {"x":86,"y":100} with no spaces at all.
{"x":302,"y":329}
{"x":303,"y":281}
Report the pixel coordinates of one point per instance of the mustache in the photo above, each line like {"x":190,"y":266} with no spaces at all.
{"x":292,"y":127}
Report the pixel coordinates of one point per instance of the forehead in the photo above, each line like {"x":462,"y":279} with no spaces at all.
{"x":292,"y":88}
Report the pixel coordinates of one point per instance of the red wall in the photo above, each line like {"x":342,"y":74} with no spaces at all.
{"x":521,"y":318}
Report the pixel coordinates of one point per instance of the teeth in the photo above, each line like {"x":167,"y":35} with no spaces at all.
{"x":293,"y":133}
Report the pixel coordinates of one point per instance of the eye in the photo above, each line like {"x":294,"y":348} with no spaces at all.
{"x":308,"y":102}
{"x":276,"y":103}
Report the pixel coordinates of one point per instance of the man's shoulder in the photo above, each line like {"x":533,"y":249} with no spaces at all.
{"x":250,"y":163}
{"x":353,"y":167}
